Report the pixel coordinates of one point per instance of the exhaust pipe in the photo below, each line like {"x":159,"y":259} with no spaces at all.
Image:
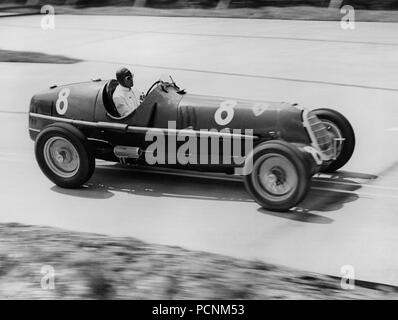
{"x":127,"y":152}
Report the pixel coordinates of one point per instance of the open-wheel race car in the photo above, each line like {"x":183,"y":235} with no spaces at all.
{"x":276,"y":146}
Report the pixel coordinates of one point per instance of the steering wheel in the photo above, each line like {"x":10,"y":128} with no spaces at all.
{"x":152,"y":86}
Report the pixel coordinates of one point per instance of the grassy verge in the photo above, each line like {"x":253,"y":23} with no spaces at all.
{"x":186,"y":9}
{"x":286,"y":13}
{"x":33,"y":57}
{"x":90,"y":266}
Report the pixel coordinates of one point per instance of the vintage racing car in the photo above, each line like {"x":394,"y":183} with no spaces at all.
{"x":283,"y":145}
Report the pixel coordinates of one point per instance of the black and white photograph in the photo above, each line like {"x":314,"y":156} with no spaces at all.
{"x":198,"y":150}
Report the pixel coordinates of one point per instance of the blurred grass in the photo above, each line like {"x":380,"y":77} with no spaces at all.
{"x":33,"y":57}
{"x":371,"y":11}
{"x":283,"y":13}
{"x":90,"y":266}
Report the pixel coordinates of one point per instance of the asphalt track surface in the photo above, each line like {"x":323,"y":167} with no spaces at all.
{"x":349,"y":218}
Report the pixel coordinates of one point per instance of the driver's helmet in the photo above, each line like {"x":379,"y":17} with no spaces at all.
{"x":121,"y":75}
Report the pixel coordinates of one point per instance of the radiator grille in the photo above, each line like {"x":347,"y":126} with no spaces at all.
{"x":321,"y":134}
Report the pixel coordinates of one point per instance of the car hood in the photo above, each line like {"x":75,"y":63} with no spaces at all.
{"x":263,"y":117}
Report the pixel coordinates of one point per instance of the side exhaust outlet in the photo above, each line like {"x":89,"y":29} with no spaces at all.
{"x":127,"y":152}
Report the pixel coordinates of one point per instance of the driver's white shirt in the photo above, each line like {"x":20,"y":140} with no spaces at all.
{"x":126,"y":99}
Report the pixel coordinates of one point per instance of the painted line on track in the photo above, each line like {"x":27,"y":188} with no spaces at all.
{"x":244,"y":75}
{"x":357,"y":184}
{"x":217,"y":35}
{"x":265,"y":37}
{"x":14,"y":112}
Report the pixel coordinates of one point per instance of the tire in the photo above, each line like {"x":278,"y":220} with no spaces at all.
{"x":64,"y":155}
{"x":281,"y":161}
{"x":333,"y":118}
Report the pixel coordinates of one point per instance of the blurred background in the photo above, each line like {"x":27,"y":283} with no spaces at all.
{"x":359,"y":4}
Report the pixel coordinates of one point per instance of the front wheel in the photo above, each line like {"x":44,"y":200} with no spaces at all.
{"x":278,"y":179}
{"x":341,"y":132}
{"x":64,"y":156}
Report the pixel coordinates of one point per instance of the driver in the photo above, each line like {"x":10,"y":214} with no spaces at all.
{"x":126,"y":97}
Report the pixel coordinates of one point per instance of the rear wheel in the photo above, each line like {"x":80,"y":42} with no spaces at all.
{"x":279,"y":179}
{"x":340,"y":130}
{"x":64,"y":156}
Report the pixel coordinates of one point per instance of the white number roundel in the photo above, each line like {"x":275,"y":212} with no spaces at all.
{"x":227,"y":107}
{"x":62,"y":102}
